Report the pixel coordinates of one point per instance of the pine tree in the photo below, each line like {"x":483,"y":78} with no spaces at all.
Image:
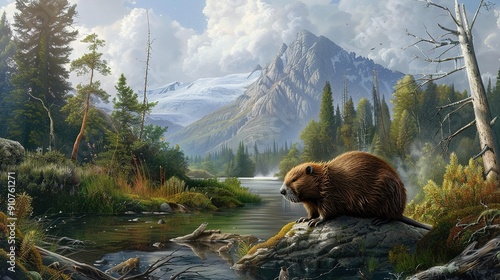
{"x":243,"y":165}
{"x":7,"y":52}
{"x":406,"y":98}
{"x":327,"y":124}
{"x":289,"y":161}
{"x":319,"y":137}
{"x":364,"y":123}
{"x":429,"y":124}
{"x":347,"y":129}
{"x":44,"y":35}
{"x":127,"y":109}
{"x":90,"y":63}
{"x":406,"y":134}
{"x":126,"y":116}
{"x":312,"y":145}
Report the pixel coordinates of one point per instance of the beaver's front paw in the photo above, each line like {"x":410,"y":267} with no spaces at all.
{"x":301,"y":220}
{"x":316,"y":222}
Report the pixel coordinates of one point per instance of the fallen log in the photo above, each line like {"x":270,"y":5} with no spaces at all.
{"x":482,"y":263}
{"x":77,"y":270}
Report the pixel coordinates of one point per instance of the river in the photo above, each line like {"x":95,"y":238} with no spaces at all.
{"x":114,"y":239}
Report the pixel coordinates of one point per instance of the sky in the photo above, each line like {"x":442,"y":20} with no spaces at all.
{"x":194,"y":39}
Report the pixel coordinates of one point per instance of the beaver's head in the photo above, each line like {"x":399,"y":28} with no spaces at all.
{"x":301,"y":183}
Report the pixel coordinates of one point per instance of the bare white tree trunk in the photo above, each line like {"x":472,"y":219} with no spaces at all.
{"x":479,"y":100}
{"x":145,"y":100}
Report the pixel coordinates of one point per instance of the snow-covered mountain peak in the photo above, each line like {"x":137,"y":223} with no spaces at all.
{"x":184,"y":103}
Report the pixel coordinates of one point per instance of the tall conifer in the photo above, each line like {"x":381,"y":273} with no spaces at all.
{"x":44,"y":32}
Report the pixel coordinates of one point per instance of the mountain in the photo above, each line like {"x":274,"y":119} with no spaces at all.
{"x":286,"y":96}
{"x":180,"y":104}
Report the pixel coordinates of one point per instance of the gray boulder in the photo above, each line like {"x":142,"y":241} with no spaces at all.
{"x":343,"y":246}
{"x":11,"y":153}
{"x":165,"y":207}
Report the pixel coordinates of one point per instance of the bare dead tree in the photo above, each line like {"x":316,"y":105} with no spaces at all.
{"x":52,"y":136}
{"x":145,"y":99}
{"x":461,"y":36}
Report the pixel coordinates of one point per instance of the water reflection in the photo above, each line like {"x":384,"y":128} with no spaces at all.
{"x":114,"y":239}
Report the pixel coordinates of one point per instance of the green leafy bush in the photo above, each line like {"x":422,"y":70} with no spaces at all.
{"x":463,"y":186}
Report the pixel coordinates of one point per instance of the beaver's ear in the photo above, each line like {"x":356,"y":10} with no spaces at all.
{"x":309,"y":170}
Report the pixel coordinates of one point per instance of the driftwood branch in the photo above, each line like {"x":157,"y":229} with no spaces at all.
{"x":194,"y":235}
{"x":69,"y":266}
{"x":482,"y":262}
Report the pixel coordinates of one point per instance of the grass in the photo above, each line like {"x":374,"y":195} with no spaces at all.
{"x":28,"y":264}
{"x":241,"y":193}
{"x":56,"y":184}
{"x":243,"y":248}
{"x":407,"y":263}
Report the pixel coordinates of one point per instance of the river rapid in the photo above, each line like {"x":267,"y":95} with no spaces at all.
{"x":106,"y":241}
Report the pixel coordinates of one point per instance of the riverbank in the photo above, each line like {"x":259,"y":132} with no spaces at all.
{"x":56,"y":185}
{"x":87,"y":238}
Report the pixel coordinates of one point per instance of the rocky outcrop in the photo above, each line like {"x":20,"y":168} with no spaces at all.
{"x":11,"y":153}
{"x":343,"y":246}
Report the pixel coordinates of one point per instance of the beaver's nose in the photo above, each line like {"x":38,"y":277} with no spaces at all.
{"x":283,"y":191}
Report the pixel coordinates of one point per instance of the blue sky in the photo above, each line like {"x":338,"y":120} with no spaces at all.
{"x":195,"y":38}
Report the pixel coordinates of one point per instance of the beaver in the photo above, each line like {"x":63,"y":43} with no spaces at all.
{"x":354,"y":184}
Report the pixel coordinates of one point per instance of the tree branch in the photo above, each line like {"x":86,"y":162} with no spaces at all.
{"x":430,"y":3}
{"x":465,"y":100}
{"x":477,"y":12}
{"x":450,"y":137}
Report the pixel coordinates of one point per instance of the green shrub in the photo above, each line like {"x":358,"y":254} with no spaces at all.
{"x":193,"y":200}
{"x":241,"y":193}
{"x":463,"y":186}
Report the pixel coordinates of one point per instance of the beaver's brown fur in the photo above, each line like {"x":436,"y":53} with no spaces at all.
{"x":353,"y":184}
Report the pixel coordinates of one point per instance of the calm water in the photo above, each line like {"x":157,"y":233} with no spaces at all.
{"x":118,"y":238}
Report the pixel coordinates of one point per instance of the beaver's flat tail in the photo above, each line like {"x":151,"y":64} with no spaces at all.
{"x":414,"y":223}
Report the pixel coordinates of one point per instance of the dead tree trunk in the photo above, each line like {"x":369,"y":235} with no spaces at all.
{"x":479,"y":100}
{"x":145,"y":100}
{"x":52,"y":135}
{"x":482,"y":113}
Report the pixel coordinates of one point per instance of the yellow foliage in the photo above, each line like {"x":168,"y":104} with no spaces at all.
{"x":271,"y":242}
{"x":463,"y":186}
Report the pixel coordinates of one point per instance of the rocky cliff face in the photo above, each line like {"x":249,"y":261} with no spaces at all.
{"x":286,"y":96}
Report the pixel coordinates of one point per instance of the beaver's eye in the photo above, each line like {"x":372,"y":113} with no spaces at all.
{"x":294,"y":179}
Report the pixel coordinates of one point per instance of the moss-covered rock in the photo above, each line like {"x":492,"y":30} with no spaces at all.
{"x":344,"y":245}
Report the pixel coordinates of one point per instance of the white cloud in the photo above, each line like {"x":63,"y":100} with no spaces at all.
{"x":243,"y":33}
{"x":126,"y":44}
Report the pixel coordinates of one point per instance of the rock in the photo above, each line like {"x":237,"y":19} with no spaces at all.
{"x":345,"y":245}
{"x":165,"y":207}
{"x":11,"y":153}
